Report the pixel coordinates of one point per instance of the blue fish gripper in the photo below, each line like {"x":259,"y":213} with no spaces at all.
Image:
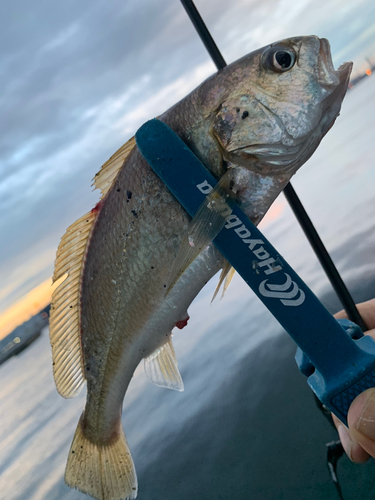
{"x":337,"y":358}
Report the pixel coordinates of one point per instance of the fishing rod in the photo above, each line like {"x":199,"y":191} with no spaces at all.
{"x":290,"y":194}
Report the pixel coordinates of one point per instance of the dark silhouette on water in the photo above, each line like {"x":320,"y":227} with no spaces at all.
{"x":24,"y":335}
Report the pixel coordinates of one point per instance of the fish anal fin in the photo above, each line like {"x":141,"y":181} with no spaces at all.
{"x":161,"y":368}
{"x":65,"y":307}
{"x":104,"y":179}
{"x":106,"y":472}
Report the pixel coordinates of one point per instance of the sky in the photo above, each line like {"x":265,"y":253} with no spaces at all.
{"x":79,"y":78}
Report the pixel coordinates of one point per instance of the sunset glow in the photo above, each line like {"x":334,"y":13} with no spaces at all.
{"x":274,"y":212}
{"x":26,"y":307}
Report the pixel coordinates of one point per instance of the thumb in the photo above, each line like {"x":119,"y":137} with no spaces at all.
{"x":361,"y":420}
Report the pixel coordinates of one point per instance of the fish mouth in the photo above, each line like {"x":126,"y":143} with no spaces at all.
{"x":335,"y":82}
{"x":329,"y":77}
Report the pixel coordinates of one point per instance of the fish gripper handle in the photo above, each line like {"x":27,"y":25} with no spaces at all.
{"x":339,"y":366}
{"x":338,"y":392}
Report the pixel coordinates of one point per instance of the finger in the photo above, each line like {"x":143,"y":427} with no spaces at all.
{"x":341,"y":315}
{"x":371,"y":333}
{"x":361,"y":420}
{"x":352,"y":448}
{"x":366,"y":310}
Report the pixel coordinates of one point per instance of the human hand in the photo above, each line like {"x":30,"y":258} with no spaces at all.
{"x":359,"y":440}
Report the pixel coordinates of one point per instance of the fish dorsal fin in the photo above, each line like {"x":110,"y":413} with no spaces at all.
{"x":103,"y":180}
{"x":65,"y":309}
{"x":161,"y":368}
{"x":226,"y":275}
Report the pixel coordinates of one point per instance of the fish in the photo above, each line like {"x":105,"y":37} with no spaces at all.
{"x":255,"y":122}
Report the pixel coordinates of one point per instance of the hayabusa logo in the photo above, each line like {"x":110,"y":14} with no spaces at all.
{"x":294,"y":297}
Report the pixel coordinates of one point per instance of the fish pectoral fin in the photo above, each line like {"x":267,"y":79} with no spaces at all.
{"x":204,"y":227}
{"x":161,"y":368}
{"x":224,"y":272}
{"x":228,"y":279}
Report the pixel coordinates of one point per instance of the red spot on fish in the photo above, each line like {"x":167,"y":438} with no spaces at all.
{"x":181,"y":324}
{"x":97,"y":207}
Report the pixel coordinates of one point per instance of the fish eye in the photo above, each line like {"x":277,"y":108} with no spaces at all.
{"x":283,"y":60}
{"x":279,"y":59}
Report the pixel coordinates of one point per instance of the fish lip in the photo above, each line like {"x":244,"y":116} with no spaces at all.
{"x":332,"y":104}
{"x":335,"y":83}
{"x":325,"y":57}
{"x":328,"y":76}
{"x":345,"y":71}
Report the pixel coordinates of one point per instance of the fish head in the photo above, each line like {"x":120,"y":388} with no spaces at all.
{"x":282,"y":100}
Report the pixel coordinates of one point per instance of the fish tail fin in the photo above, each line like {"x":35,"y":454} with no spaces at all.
{"x":105,"y":472}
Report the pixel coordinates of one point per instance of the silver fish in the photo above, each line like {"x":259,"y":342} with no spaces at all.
{"x":260,"y":119}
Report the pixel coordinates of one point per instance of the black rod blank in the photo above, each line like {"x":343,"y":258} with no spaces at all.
{"x":324,"y":257}
{"x":293,"y":200}
{"x":204,"y":34}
